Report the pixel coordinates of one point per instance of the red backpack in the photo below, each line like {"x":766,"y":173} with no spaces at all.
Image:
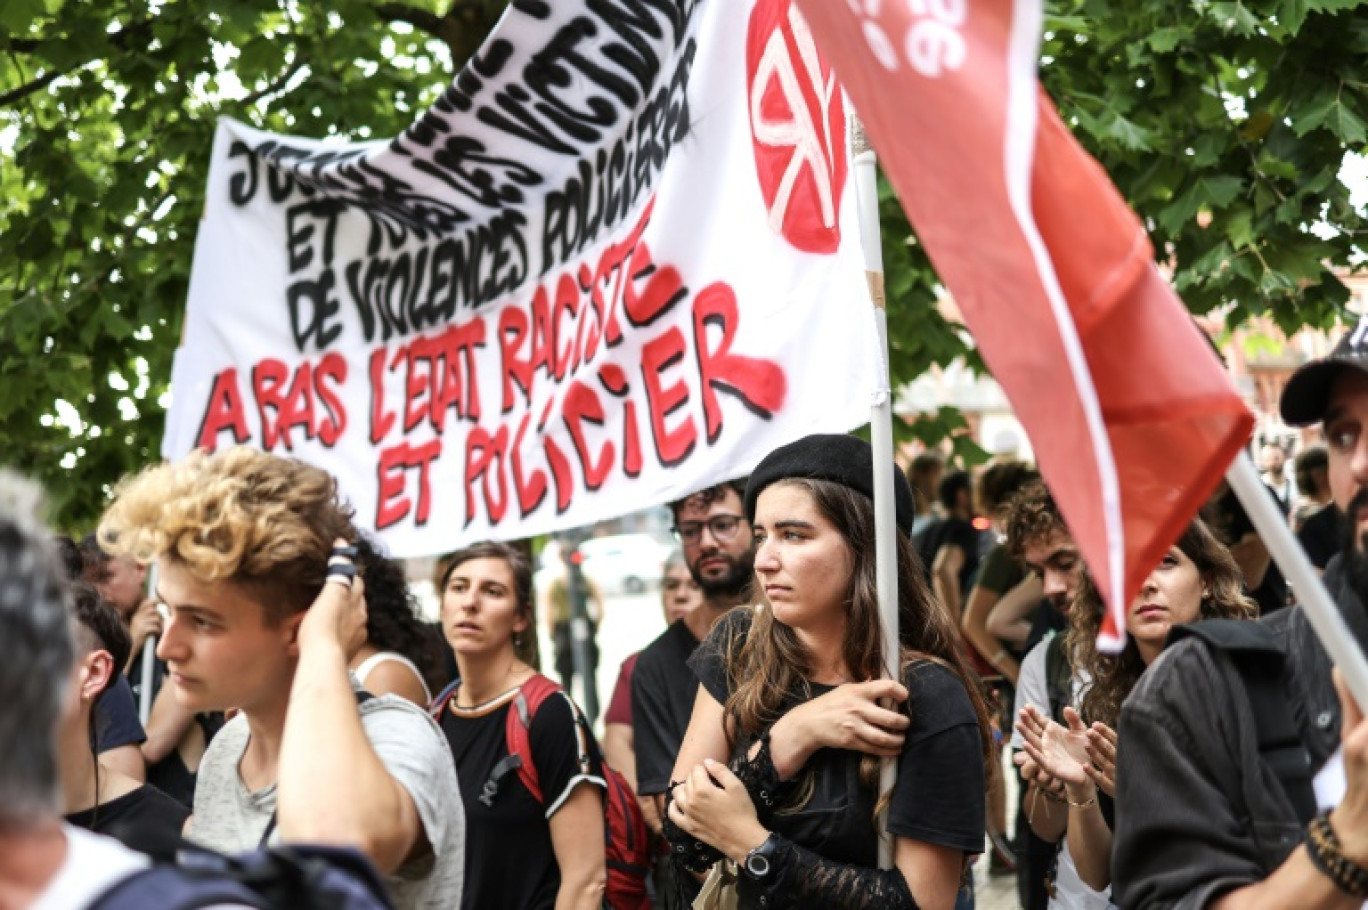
{"x":624,"y":829}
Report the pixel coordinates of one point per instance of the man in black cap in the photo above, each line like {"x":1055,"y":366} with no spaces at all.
{"x":1242,"y":776}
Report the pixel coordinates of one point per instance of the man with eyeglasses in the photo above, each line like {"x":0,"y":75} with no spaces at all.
{"x":720,"y":553}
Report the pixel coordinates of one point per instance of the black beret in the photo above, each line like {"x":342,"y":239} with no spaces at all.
{"x":837,"y":458}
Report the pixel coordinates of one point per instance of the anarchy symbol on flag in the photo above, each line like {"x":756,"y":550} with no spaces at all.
{"x":797,"y":120}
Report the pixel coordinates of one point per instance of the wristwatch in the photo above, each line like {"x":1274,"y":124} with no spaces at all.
{"x":757,"y":864}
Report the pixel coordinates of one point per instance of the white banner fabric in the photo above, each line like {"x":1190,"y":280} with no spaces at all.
{"x":616,"y":262}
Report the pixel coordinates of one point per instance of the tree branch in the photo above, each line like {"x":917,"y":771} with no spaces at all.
{"x":463,"y":29}
{"x":23,"y":45}
{"x":421,"y":19}
{"x":35,"y":85}
{"x":275,"y":84}
{"x":122,"y":40}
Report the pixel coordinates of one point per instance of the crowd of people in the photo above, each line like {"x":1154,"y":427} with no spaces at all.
{"x":1215,"y":761}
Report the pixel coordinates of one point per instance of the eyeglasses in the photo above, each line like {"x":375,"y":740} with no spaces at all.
{"x":722,"y":527}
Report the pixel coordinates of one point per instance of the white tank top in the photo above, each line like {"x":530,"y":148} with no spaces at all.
{"x":370,"y":663}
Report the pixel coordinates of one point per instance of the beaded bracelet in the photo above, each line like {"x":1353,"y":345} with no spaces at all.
{"x":1323,"y":847}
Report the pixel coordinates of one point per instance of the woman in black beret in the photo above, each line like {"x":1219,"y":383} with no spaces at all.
{"x":778,"y":771}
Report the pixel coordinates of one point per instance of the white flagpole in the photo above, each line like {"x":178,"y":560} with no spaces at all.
{"x":1296,"y":568}
{"x":149,"y":657}
{"x":881,"y":440}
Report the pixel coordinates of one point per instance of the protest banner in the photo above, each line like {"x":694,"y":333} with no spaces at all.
{"x":1132,"y":419}
{"x":617,"y":261}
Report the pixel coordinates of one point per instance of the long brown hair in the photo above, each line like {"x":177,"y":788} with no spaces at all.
{"x":1114,"y":675}
{"x":770,"y":665}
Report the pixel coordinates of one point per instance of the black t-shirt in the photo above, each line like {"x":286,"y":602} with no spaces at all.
{"x":509,"y":860}
{"x":955,"y":532}
{"x":1322,"y":535}
{"x":1233,"y":525}
{"x":663,"y":694}
{"x":939,"y":796}
{"x":1000,"y":571}
{"x":116,"y":718}
{"x":145,"y":819}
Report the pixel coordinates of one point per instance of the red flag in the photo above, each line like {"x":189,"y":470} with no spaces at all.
{"x":1132,"y":419}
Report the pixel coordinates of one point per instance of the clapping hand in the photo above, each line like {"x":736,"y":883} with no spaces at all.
{"x":1102,"y":754}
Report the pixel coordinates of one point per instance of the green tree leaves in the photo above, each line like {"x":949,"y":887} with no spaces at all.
{"x":1223,"y":123}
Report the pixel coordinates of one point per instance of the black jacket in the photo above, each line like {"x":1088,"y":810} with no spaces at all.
{"x":1198,"y":811}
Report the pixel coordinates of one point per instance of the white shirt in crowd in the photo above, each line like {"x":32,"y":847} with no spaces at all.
{"x":1071,"y":892}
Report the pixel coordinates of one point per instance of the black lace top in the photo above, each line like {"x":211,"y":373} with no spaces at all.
{"x":829,"y":846}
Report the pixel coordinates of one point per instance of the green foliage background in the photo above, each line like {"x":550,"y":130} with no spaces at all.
{"x":1232,"y":115}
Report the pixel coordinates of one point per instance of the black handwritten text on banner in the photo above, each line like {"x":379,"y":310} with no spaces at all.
{"x":608,"y":267}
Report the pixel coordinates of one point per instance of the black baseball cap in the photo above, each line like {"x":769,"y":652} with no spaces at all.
{"x":1307,"y":393}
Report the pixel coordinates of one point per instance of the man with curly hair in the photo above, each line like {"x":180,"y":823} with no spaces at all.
{"x":1038,"y":536}
{"x":243,"y":543}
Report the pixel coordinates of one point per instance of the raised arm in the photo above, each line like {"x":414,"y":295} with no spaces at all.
{"x":975,"y":624}
{"x":945,"y":579}
{"x":1010,"y":618}
{"x":325,"y":752}
{"x":166,"y":726}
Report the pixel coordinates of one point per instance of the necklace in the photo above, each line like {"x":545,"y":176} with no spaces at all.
{"x":486,"y":704}
{"x":521,"y":674}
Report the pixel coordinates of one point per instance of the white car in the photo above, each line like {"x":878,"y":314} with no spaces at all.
{"x":630,"y":563}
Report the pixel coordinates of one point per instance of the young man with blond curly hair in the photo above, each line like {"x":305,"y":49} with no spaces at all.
{"x":244,"y":543}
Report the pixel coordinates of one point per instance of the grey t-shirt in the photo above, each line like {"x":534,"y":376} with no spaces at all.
{"x":230,"y":818}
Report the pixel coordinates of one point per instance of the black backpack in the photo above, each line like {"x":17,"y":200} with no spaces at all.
{"x":1259,"y":659}
{"x":277,"y":878}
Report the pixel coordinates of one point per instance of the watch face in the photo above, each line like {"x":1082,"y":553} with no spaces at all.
{"x":757,"y":865}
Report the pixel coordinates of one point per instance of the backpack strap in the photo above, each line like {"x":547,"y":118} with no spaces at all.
{"x":1259,"y":658}
{"x":518,"y":729}
{"x":1058,"y":676}
{"x":518,"y":736}
{"x":439,"y":704}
